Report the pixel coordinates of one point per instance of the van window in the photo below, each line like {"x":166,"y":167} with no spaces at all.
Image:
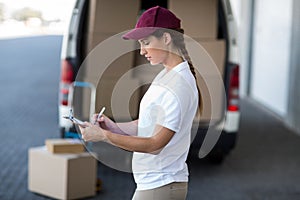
{"x":145,"y":4}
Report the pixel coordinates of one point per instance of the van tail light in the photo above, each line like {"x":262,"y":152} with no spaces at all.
{"x":233,"y":94}
{"x":67,"y":77}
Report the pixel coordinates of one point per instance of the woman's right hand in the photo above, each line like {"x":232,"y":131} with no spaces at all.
{"x":104,"y":122}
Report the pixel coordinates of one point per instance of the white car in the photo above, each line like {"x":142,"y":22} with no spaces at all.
{"x":209,"y":22}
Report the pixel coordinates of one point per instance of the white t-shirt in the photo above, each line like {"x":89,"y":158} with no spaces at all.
{"x":171,"y":101}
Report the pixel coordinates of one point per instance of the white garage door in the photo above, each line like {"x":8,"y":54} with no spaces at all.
{"x":271,"y":53}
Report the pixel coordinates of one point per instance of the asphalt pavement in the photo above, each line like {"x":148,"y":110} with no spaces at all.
{"x":264,"y":165}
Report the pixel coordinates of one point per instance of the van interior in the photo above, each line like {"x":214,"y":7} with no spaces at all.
{"x":203,"y":23}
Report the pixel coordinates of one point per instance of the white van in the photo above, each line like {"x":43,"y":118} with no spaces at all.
{"x":209,"y":22}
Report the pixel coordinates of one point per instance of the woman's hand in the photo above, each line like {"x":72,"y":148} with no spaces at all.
{"x":125,"y":128}
{"x":92,"y":133}
{"x":104,"y":122}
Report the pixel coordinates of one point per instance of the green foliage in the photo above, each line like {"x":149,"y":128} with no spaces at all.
{"x":1,"y":12}
{"x":25,"y":13}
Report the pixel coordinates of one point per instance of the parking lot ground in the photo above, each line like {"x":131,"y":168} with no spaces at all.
{"x":264,"y":164}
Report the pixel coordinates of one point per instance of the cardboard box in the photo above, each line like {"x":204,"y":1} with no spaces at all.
{"x":121,"y":97}
{"x":213,"y":97}
{"x":112,"y":16}
{"x":198,"y":17}
{"x":208,"y":55}
{"x":109,"y":56}
{"x":216,"y":50}
{"x":93,"y":39}
{"x":64,"y":145}
{"x":61,"y":176}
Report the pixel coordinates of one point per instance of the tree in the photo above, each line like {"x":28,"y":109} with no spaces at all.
{"x":25,"y":13}
{"x":1,"y":12}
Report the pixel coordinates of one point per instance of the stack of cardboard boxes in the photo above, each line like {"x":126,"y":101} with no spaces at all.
{"x":107,"y":18}
{"x":107,"y":63}
{"x":62,"y":169}
{"x":200,"y":22}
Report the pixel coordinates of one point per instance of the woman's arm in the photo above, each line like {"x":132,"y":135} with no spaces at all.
{"x":126,"y":128}
{"x":153,"y":144}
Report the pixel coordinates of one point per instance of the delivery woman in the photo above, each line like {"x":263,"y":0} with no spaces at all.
{"x":161,"y":136}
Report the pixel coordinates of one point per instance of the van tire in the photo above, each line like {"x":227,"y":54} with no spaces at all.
{"x":216,"y":156}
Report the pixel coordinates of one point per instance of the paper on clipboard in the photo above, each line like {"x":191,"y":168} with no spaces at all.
{"x":75,"y":120}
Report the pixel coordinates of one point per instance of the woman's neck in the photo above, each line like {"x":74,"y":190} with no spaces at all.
{"x":172,"y":61}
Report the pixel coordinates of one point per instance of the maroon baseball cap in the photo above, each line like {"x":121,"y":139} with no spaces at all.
{"x":151,"y":20}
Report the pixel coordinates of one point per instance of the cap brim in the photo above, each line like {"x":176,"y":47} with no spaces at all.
{"x":139,"y":33}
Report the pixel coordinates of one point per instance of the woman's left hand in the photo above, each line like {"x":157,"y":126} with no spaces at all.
{"x":92,"y":133}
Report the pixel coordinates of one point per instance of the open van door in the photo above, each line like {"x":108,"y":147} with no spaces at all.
{"x":209,"y":23}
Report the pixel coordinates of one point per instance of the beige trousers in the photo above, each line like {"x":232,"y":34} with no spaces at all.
{"x":175,"y":190}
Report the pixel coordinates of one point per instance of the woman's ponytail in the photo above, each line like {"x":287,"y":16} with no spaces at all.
{"x":178,"y":40}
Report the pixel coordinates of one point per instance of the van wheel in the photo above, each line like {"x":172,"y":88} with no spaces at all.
{"x":216,"y":156}
{"x":62,"y":132}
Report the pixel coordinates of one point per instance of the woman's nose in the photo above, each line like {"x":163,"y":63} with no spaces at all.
{"x":142,"y":51}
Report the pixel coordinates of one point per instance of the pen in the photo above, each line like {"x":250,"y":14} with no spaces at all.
{"x":100,"y":114}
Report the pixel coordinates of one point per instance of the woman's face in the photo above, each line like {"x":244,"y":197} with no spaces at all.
{"x":154,"y":49}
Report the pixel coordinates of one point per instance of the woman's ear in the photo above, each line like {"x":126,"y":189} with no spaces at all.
{"x":167,"y":38}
